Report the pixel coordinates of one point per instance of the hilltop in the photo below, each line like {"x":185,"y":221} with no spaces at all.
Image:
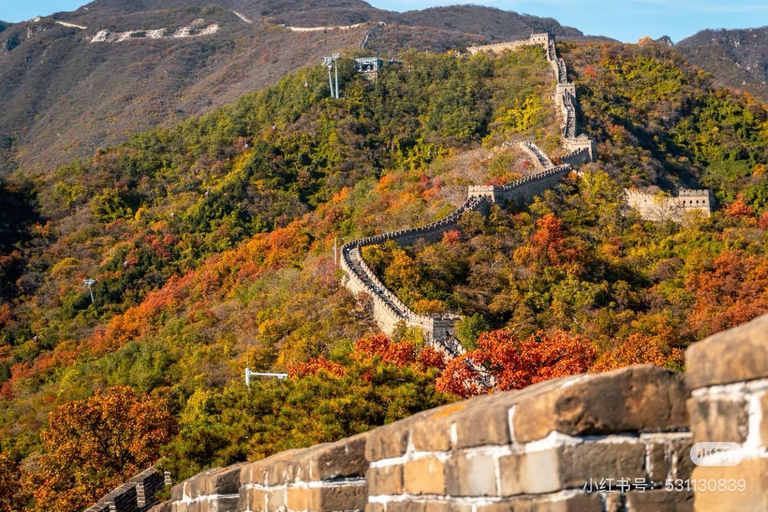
{"x":737,"y":58}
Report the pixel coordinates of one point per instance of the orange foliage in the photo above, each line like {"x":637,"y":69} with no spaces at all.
{"x":733,"y":291}
{"x":93,"y":445}
{"x":515,"y":364}
{"x":451,"y":237}
{"x":739,"y":208}
{"x":313,"y":366}
{"x":637,"y":349}
{"x":400,"y":354}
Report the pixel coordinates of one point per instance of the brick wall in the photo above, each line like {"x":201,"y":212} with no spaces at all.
{"x":534,"y":449}
{"x":728,"y":379}
{"x":136,"y":495}
{"x":612,"y":442}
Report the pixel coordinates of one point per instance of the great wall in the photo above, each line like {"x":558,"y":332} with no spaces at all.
{"x":439,"y":330}
{"x":621,"y":441}
{"x":660,"y":208}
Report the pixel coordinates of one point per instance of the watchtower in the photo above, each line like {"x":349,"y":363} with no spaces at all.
{"x":369,"y":66}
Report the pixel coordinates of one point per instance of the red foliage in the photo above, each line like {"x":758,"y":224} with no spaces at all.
{"x":739,"y":208}
{"x":313,"y":366}
{"x":515,"y":364}
{"x":730,"y":293}
{"x":451,"y":237}
{"x":764,"y":221}
{"x":430,"y":357}
{"x":400,"y":354}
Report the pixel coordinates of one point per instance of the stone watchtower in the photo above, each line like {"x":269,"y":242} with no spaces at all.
{"x":369,"y":66}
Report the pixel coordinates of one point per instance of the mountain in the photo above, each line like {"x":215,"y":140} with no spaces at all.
{"x":73,"y":82}
{"x":737,"y":58}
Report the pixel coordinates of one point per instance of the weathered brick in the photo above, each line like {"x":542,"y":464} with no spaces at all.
{"x":660,"y":501}
{"x":658,"y":466}
{"x":297,"y":498}
{"x":468,"y":475}
{"x":224,"y":481}
{"x":345,"y":458}
{"x":336,"y":497}
{"x":406,"y":506}
{"x":447,"y":506}
{"x":718,"y":419}
{"x":275,"y":500}
{"x":565,"y":467}
{"x":386,"y":480}
{"x":735,"y":355}
{"x":253,"y":499}
{"x":755,"y":475}
{"x":638,"y":398}
{"x":222,"y":504}
{"x":388,"y":442}
{"x":374,"y":507}
{"x":424,"y":476}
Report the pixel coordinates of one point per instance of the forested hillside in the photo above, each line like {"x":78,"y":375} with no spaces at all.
{"x":211,"y":246}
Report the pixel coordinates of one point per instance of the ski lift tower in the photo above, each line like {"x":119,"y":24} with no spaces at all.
{"x":332,"y":64}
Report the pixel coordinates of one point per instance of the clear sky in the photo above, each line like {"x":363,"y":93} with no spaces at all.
{"x":626,"y":20}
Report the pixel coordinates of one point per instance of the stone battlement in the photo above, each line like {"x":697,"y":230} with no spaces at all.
{"x":659,"y":208}
{"x":388,"y":310}
{"x":610,"y":442}
{"x":136,"y":495}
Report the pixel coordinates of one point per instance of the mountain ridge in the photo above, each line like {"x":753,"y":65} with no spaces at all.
{"x":53,"y":75}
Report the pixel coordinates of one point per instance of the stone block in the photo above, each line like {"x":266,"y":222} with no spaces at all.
{"x":718,"y":419}
{"x":555,"y":469}
{"x":424,"y":476}
{"x":388,"y":442}
{"x":275,"y":500}
{"x":471,"y":475}
{"x":336,"y":497}
{"x":345,"y":458}
{"x":764,"y":422}
{"x":659,"y":501}
{"x":222,"y":504}
{"x":658,"y":466}
{"x":634,"y":399}
{"x":223,"y":481}
{"x":386,"y":480}
{"x":406,"y":506}
{"x":297,"y":498}
{"x":374,"y":507}
{"x":736,"y":355}
{"x":447,"y":506}
{"x":754,"y":472}
{"x":253,"y":499}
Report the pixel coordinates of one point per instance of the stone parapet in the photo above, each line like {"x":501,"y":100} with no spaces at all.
{"x":727,"y":375}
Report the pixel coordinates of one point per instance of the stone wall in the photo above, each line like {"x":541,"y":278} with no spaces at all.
{"x":136,"y":495}
{"x":660,"y":208}
{"x":620,"y":441}
{"x":388,"y":310}
{"x":536,"y":449}
{"x":728,"y":378}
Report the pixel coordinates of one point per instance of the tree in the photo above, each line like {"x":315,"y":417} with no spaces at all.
{"x":93,"y":445}
{"x":515,"y":364}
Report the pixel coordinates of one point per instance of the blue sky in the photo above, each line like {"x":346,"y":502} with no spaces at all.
{"x":626,"y":20}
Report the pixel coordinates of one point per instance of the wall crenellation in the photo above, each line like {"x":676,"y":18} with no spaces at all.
{"x":658,"y":208}
{"x":136,"y":495}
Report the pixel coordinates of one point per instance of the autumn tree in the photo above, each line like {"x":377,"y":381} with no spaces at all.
{"x":510,"y":363}
{"x":93,"y":445}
